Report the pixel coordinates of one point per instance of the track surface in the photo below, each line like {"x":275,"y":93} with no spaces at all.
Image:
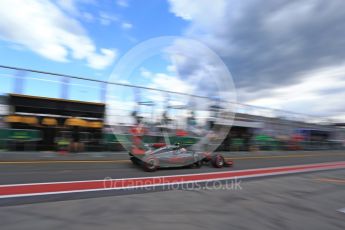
{"x":54,"y":171}
{"x":300,"y":201}
{"x":303,"y":201}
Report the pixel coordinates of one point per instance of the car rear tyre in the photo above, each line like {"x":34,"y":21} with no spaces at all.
{"x":150,"y":165}
{"x":218,"y":161}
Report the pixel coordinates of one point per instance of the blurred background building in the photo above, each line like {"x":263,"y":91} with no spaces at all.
{"x":32,"y":120}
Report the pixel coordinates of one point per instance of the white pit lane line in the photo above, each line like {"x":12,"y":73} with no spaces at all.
{"x":341,"y":210}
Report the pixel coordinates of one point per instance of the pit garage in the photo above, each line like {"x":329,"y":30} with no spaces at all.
{"x":41,"y":123}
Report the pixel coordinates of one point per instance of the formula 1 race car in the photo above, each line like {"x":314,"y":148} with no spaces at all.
{"x":176,"y":156}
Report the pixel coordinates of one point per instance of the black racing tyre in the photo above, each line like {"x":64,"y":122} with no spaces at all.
{"x":135,"y":161}
{"x":218,"y":161}
{"x":198,"y":164}
{"x":150,"y":164}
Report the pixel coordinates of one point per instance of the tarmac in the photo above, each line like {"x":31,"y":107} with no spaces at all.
{"x":302,"y":201}
{"x":7,"y":156}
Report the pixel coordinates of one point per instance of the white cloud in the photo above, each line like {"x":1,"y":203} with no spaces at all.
{"x":106,"y":19}
{"x":100,"y":61}
{"x":126,"y":25}
{"x":313,"y":93}
{"x":190,"y":10}
{"x":122,"y":3}
{"x":203,"y":13}
{"x":45,"y":29}
{"x":171,"y":68}
{"x":71,"y":7}
{"x":267,"y":45}
{"x":68,"y":6}
{"x":171,"y":83}
{"x":145,"y":73}
{"x":88,"y":17}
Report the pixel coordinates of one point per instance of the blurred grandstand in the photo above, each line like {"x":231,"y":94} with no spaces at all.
{"x":39,"y":111}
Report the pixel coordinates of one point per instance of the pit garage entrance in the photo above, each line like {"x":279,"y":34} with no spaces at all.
{"x":49,"y":123}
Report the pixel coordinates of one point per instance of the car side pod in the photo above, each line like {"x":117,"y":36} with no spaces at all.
{"x":138,"y":151}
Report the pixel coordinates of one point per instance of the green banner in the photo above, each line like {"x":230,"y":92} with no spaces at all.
{"x":20,"y":134}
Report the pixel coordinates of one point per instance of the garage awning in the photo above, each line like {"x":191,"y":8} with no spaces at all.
{"x":49,"y":121}
{"x":95,"y":124}
{"x":76,"y":122}
{"x":30,"y":120}
{"x":13,"y":119}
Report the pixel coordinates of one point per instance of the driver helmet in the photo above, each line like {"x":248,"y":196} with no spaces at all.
{"x":178,"y":144}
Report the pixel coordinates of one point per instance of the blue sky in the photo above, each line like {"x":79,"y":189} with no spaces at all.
{"x":282,"y":54}
{"x":107,"y":24}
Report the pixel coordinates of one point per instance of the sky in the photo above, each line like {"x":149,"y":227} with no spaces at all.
{"x":282,"y":54}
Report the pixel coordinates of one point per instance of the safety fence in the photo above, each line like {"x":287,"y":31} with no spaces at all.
{"x":254,"y":132}
{"x":31,"y":140}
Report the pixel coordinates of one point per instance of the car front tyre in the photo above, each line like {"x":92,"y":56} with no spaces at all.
{"x":150,"y":165}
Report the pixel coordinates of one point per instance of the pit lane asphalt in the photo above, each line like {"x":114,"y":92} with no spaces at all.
{"x":55,"y":171}
{"x":303,"y":201}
